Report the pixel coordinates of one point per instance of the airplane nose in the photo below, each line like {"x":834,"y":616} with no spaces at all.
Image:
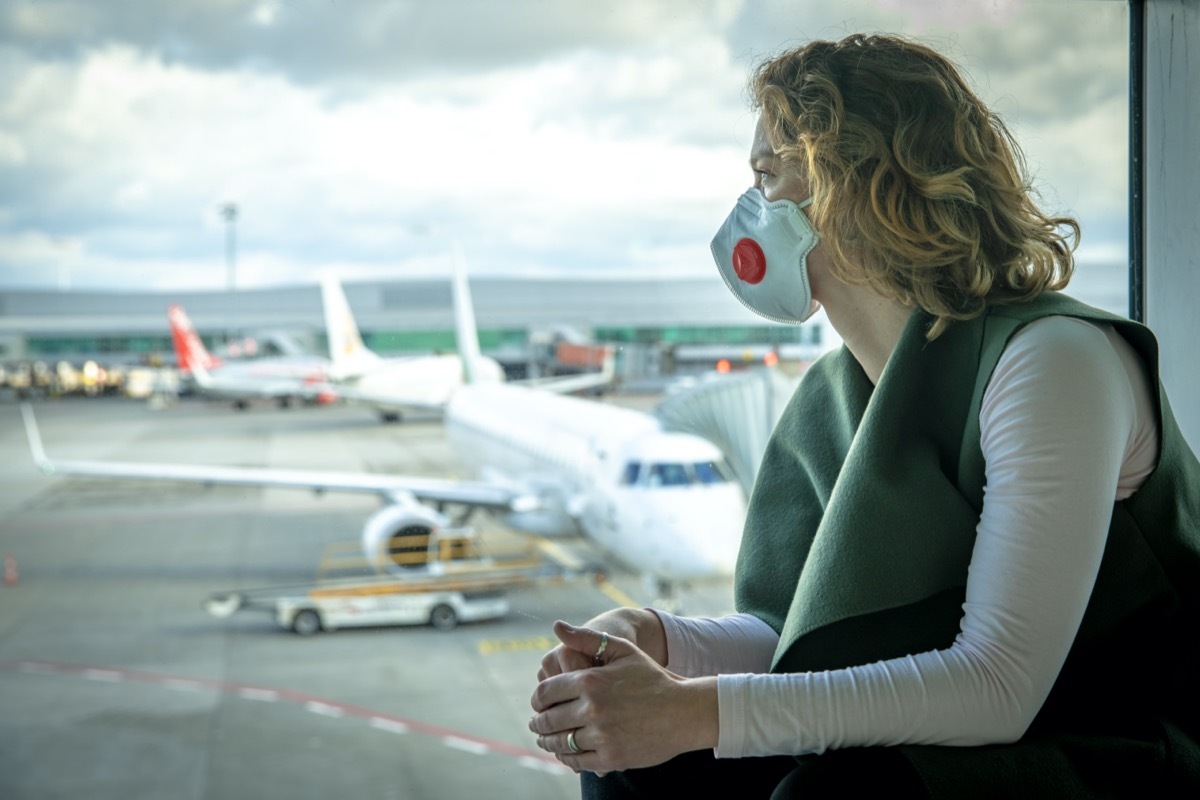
{"x":709,"y":535}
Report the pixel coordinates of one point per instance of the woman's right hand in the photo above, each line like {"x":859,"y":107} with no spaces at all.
{"x":641,"y":626}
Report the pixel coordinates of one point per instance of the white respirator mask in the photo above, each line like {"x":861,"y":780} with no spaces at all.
{"x":761,"y":251}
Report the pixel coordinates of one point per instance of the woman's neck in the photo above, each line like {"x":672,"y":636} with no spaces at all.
{"x":868,"y":323}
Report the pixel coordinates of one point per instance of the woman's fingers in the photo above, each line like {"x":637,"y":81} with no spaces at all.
{"x":598,"y":647}
{"x":560,"y":743}
{"x":562,"y":659}
{"x":555,"y":690}
{"x":580,"y":758}
{"x":556,"y":719}
{"x":581,"y":648}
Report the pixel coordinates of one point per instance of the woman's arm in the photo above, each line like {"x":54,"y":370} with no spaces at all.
{"x":699,"y":646}
{"x":1059,"y":419}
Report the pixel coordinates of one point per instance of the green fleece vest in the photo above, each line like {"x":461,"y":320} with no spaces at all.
{"x":862,"y":522}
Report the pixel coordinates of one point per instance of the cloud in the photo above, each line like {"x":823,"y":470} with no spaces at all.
{"x":924,"y":14}
{"x":318,"y":41}
{"x":547,"y":137}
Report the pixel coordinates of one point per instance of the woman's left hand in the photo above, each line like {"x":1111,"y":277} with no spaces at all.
{"x":625,"y":712}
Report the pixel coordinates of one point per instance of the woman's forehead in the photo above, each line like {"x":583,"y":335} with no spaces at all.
{"x":761,"y":146}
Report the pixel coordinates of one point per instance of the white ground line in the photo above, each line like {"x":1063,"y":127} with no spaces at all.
{"x":478,"y":748}
{"x":542,"y":765}
{"x":324,"y":709}
{"x":389,"y":725}
{"x":316,"y":707}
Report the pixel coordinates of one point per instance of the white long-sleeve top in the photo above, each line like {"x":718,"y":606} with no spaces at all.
{"x":1067,"y":426}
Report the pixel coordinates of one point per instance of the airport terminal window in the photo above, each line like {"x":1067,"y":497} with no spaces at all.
{"x":743,"y":334}
{"x":438,"y":341}
{"x":470,"y":730}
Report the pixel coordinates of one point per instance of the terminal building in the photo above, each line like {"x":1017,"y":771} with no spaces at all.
{"x":660,"y":327}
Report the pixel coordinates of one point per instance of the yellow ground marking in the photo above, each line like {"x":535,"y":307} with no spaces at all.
{"x":616,"y":595}
{"x":559,"y":554}
{"x":540,"y":643}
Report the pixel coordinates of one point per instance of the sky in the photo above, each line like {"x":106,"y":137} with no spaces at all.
{"x":363,"y":138}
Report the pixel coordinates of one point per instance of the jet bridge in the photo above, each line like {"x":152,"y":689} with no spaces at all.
{"x":735,"y":412}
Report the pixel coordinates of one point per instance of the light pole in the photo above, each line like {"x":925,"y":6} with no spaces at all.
{"x":229,"y":212}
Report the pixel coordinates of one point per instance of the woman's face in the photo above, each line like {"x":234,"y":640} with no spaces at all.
{"x":779,"y":181}
{"x":772,"y":177}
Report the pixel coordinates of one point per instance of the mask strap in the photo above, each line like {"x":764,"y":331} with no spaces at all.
{"x":805,"y":203}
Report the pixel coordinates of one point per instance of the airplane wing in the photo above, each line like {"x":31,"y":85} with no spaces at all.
{"x":566,"y":384}
{"x":391,"y":487}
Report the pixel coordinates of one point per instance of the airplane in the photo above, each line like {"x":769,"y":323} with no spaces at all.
{"x":281,"y":378}
{"x":391,"y":385}
{"x":665,"y":504}
{"x":423,"y":383}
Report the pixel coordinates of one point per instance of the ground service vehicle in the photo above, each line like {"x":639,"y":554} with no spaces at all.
{"x":444,"y":578}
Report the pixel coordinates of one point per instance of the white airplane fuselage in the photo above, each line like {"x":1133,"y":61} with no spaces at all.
{"x":279,"y":377}
{"x":419,"y":380}
{"x":397,"y":384}
{"x":268,"y":377}
{"x":657,"y":500}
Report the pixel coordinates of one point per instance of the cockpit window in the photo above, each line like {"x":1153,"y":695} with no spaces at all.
{"x":711,"y":472}
{"x":670,"y":474}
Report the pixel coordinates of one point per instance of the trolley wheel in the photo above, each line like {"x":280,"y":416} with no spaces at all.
{"x":306,"y":622}
{"x":443,"y":617}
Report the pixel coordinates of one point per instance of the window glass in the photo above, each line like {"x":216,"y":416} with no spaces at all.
{"x":668,"y":475}
{"x":540,"y":143}
{"x":710,"y":472}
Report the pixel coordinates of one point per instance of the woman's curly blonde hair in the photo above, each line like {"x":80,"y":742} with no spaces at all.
{"x":919,"y":189}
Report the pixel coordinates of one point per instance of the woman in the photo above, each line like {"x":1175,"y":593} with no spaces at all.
{"x":971,"y":563}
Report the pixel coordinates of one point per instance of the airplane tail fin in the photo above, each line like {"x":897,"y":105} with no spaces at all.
{"x":475,"y":366}
{"x":190,"y":352}
{"x":347,"y":353}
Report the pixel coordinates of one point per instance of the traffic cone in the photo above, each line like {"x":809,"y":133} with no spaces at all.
{"x":11,"y":578}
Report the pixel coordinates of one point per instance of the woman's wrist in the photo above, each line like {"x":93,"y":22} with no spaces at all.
{"x":652,"y":636}
{"x":701,"y":725}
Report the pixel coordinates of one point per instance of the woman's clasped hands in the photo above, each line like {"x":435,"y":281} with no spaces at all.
{"x":602,"y":703}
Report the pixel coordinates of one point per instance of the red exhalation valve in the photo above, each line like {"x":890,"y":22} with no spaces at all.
{"x":749,"y":262}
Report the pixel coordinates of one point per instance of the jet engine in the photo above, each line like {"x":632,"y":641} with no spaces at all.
{"x":398,"y":537}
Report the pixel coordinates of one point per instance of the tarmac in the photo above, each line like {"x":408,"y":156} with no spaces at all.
{"x":114,"y":682}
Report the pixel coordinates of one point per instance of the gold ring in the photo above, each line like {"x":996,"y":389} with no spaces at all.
{"x":571,"y":742}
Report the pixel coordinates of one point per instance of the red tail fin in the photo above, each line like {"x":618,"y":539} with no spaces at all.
{"x":189,"y":350}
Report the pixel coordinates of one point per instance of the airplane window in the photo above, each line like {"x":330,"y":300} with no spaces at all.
{"x":710,"y":472}
{"x":632,"y":472}
{"x":669,"y":475}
